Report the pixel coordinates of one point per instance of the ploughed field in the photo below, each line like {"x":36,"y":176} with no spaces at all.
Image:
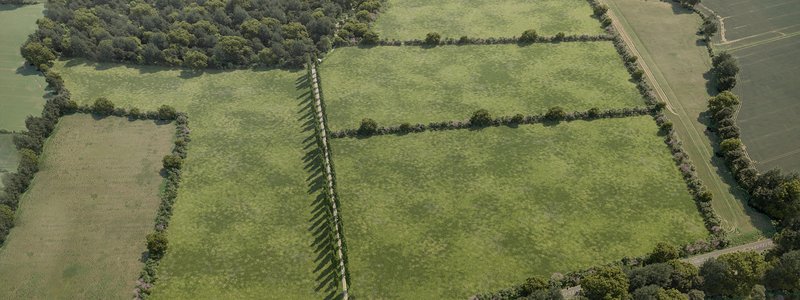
{"x":413,"y":19}
{"x":449,"y":214}
{"x":242,"y":219}
{"x":765,"y":37}
{"x":393,"y":85}
{"x":81,"y":227}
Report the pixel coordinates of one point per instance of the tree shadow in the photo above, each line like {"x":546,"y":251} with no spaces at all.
{"x":320,"y":226}
{"x":27,"y":70}
{"x":678,"y":9}
{"x":711,"y":84}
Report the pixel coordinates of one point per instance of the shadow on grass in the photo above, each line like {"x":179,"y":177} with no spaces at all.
{"x":320,"y":225}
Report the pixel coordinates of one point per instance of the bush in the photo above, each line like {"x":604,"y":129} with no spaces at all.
{"x":555,"y":114}
{"x":663,"y":252}
{"x":103,"y":107}
{"x":370,"y":38}
{"x":6,"y":221}
{"x":368,"y":127}
{"x":481,"y":118}
{"x":606,"y":283}
{"x":157,"y":244}
{"x":638,"y":74}
{"x":172,"y":162}
{"x":166,"y":112}
{"x":528,"y":37}
{"x":433,"y":39}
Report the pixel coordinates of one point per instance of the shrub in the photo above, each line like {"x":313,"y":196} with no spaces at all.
{"x":368,"y":127}
{"x":663,"y":252}
{"x":528,"y":36}
{"x":606,"y":283}
{"x":157,"y":244}
{"x":638,"y":74}
{"x":555,"y":114}
{"x":433,"y":39}
{"x":6,"y":221}
{"x":166,"y":112}
{"x":172,"y":162}
{"x":480,"y":118}
{"x":37,"y":54}
{"x":103,"y":107}
{"x":405,"y":127}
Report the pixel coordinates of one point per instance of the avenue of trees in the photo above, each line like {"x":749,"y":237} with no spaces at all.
{"x":215,"y":33}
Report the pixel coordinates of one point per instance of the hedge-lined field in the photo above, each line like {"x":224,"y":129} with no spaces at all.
{"x":8,"y":155}
{"x":449,"y":214}
{"x":412,"y":19}
{"x":393,"y":85}
{"x":241,"y":219}
{"x":80,"y":229}
{"x":22,"y":86}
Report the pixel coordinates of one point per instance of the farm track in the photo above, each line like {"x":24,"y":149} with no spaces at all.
{"x":329,"y":177}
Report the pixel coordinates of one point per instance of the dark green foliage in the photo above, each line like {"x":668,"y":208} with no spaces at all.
{"x":724,"y":67}
{"x":6,"y":221}
{"x":103,"y":107}
{"x":370,"y":38}
{"x":709,"y":28}
{"x":788,"y":239}
{"x":555,"y":114}
{"x":659,"y":274}
{"x":533,"y":284}
{"x":166,"y":112}
{"x":638,"y":74}
{"x":606,"y":283}
{"x":37,"y":54}
{"x":663,"y":252}
{"x":716,"y":278}
{"x":777,"y":194}
{"x":733,"y":274}
{"x":218,"y":34}
{"x":368,"y":127}
{"x":480,"y":118}
{"x":785,"y":275}
{"x":696,"y":295}
{"x":157,"y":244}
{"x":528,"y":37}
{"x":721,"y":101}
{"x":684,"y":277}
{"x":172,"y":162}
{"x":433,"y":39}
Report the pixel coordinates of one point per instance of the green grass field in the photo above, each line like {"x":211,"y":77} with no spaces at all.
{"x":81,"y":228}
{"x":413,"y":19}
{"x":242,"y":216}
{"x":665,"y":36}
{"x":765,"y":38}
{"x":449,"y":214}
{"x":409,"y":84}
{"x":22,"y":86}
{"x":8,"y":155}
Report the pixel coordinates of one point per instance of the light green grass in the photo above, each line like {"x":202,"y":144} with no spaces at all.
{"x":413,"y":19}
{"x":8,"y":156}
{"x":445,"y":215}
{"x":240,"y":227}
{"x":665,"y":36}
{"x":409,"y":84}
{"x":22,"y":87}
{"x":81,"y":227}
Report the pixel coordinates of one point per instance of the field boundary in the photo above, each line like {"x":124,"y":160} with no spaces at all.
{"x":511,"y":121}
{"x":330,"y":177}
{"x":464,"y":40}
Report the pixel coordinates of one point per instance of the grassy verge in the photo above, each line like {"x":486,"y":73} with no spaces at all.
{"x":80,"y":228}
{"x":412,"y":19}
{"x":450,"y":214}
{"x":393,"y":85}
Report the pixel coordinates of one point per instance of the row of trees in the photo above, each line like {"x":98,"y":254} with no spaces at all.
{"x":724,"y":68}
{"x":220,"y":34}
{"x":482,"y":118}
{"x":528,"y":37}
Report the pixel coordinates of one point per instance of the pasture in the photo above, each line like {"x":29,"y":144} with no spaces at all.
{"x":449,"y":214}
{"x":241,"y":221}
{"x":665,"y":36}
{"x":8,"y":155}
{"x":765,"y":38}
{"x":22,"y":86}
{"x":413,"y":19}
{"x":393,"y":85}
{"x":81,"y":227}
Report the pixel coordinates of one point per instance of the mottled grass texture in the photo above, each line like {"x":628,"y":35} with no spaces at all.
{"x":410,"y":84}
{"x":21,"y":85}
{"x":413,"y":19}
{"x":445,"y":215}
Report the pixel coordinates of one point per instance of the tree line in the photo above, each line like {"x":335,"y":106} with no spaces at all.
{"x":216,"y":33}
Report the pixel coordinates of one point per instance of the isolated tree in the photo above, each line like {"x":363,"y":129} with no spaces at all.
{"x":663,"y":252}
{"x":481,"y":118}
{"x":37,"y":54}
{"x":433,"y":39}
{"x":368,"y":127}
{"x":606,"y":283}
{"x":528,"y":36}
{"x":103,"y":107}
{"x":195,"y":60}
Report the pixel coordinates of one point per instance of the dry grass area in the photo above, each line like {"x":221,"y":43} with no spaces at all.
{"x":81,"y":227}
